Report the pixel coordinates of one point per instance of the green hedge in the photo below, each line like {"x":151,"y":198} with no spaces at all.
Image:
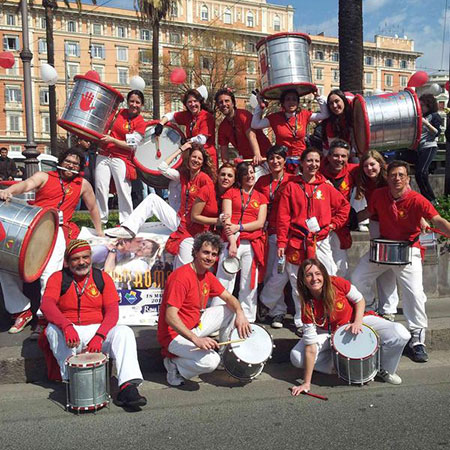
{"x":83,"y":219}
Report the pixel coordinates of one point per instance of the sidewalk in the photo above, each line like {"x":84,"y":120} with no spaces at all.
{"x":22,"y":361}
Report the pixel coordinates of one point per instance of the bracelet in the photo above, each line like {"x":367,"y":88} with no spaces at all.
{"x":113,"y":250}
{"x":241,"y":227}
{"x":101,"y":335}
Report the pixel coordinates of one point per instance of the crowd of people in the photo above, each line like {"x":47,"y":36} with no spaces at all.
{"x":283,"y":211}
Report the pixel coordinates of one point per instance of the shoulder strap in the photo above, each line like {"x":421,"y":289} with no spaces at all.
{"x":97,"y":275}
{"x":67,"y":280}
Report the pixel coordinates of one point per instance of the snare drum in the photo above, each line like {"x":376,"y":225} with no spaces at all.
{"x":31,"y":233}
{"x":153,"y":150}
{"x":356,"y":357}
{"x":245,"y":360}
{"x":88,"y":387}
{"x":231,"y":265}
{"x":91,"y":108}
{"x":394,"y":253}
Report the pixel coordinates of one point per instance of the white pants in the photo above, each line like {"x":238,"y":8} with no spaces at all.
{"x":272,"y":295}
{"x":152,"y":205}
{"x":190,"y":362}
{"x":386,"y":282}
{"x":409,"y":278}
{"x":184,"y":255}
{"x":324,"y":255}
{"x":339,"y":255}
{"x":120,"y":344}
{"x":247,"y":294}
{"x":393,"y":338}
{"x":56,"y":261}
{"x":104,"y":169}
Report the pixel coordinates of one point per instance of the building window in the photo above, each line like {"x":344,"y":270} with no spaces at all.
{"x":227,"y":18}
{"x":15,"y":148}
{"x":388,"y":80}
{"x":251,"y":86}
{"x":145,"y":56}
{"x":72,"y":70}
{"x":73,"y":49}
{"x":121,"y":31}
{"x":10,"y":20}
{"x":174,"y":9}
{"x":319,"y":73}
{"x":368,"y":61}
{"x":175,"y":104}
{"x":389,"y":62}
{"x":42,"y":46}
{"x":46,"y":124}
{"x":335,"y":57}
{"x":368,"y":78}
{"x":403,"y":81}
{"x":403,"y":64}
{"x":43,"y":96}
{"x":122,"y":53}
{"x":229,"y":44}
{"x":175,"y":38}
{"x":71,"y":26}
{"x":335,"y":75}
{"x":204,"y":13}
{"x":251,"y":67}
{"x":42,"y":23}
{"x":206,"y":63}
{"x":319,"y":55}
{"x":97,"y":29}
{"x":122,"y":75}
{"x":175,"y":58}
{"x":320,"y":89}
{"x":14,"y":122}
{"x":276,"y":23}
{"x":145,"y":35}
{"x":250,"y":47}
{"x":250,"y":19}
{"x":13,"y":94}
{"x":98,"y":51}
{"x":229,"y":64}
{"x":11,"y":43}
{"x":100,"y":70}
{"x":14,"y":70}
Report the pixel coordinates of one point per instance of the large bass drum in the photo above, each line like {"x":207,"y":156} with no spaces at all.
{"x":153,"y":150}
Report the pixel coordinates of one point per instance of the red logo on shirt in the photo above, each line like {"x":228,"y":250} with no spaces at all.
{"x":126,"y":126}
{"x":339,"y":305}
{"x":319,"y":195}
{"x":344,"y":186}
{"x":193,"y":189}
{"x":68,"y":190}
{"x":294,"y":257}
{"x":402,"y":214}
{"x":93,"y":291}
{"x":255,"y":204}
{"x":205,"y":290}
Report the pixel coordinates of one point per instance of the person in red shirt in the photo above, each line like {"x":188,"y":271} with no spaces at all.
{"x":327,"y":303}
{"x":198,"y":121}
{"x":290,"y":124}
{"x":271,"y":185}
{"x":83,"y":319}
{"x":62,"y":190}
{"x":246,"y":211}
{"x":400,"y":210}
{"x":235,"y":129}
{"x":185,"y":321}
{"x":115,"y":157}
{"x":308,"y":210}
{"x":336,"y":168}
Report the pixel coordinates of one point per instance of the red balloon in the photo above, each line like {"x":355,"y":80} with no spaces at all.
{"x":447,"y":86}
{"x":178,"y":75}
{"x":7,"y":60}
{"x":93,"y":75}
{"x":418,"y":79}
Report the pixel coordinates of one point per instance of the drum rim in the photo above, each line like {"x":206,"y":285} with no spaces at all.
{"x":232,"y":346}
{"x":110,"y":88}
{"x":282,"y":34}
{"x":231,"y":258}
{"x":157,"y":172}
{"x":26,"y":240}
{"x":356,"y":359}
{"x":390,"y":241}
{"x":419,"y":117}
{"x":362,"y":102}
{"x":91,"y":407}
{"x":99,"y":363}
{"x":75,"y":128}
{"x":287,"y":87}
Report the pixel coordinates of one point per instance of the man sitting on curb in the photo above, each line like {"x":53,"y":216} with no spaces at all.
{"x":82,"y":307}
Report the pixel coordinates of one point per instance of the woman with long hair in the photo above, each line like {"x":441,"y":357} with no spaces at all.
{"x":327,"y":302}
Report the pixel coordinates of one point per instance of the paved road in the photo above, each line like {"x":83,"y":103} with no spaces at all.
{"x":220,"y":413}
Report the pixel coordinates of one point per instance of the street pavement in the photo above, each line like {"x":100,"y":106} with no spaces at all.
{"x":218,"y":412}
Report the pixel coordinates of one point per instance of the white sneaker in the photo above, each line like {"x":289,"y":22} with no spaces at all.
{"x":390,"y":378}
{"x":173,"y":376}
{"x":120,"y":232}
{"x":390,"y":317}
{"x":363,"y":228}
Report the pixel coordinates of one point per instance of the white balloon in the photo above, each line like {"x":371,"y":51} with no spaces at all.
{"x":434,"y":89}
{"x":137,"y":83}
{"x":253,"y":101}
{"x":203,"y":92}
{"x":48,"y":74}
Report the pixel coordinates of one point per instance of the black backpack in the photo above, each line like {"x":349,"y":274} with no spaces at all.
{"x":67,"y":280}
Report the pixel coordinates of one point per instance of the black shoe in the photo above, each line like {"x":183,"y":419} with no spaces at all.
{"x":130,"y":396}
{"x":418,"y":353}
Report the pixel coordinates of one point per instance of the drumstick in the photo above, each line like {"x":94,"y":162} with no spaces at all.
{"x":158,"y":151}
{"x":235,"y":341}
{"x":67,"y":170}
{"x":251,"y":159}
{"x":435,"y":230}
{"x":321,"y":397}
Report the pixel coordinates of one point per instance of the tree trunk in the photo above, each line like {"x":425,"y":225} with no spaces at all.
{"x":155,"y":70}
{"x":351,"y":46}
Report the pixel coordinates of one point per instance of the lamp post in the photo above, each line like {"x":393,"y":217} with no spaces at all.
{"x":31,"y":153}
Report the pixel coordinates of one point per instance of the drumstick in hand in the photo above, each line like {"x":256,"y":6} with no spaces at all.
{"x":158,"y":151}
{"x":222,"y":343}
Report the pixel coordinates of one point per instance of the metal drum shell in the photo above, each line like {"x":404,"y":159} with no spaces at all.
{"x":151,"y":175}
{"x":387,"y":121}
{"x":22,"y":224}
{"x":284,"y":64}
{"x":393,"y":253}
{"x":95,"y":123}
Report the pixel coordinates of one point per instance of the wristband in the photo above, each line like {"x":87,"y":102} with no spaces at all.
{"x":100,"y":335}
{"x":113,"y":250}
{"x":241,"y":227}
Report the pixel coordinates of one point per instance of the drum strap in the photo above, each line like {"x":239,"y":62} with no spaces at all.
{"x":67,"y":280}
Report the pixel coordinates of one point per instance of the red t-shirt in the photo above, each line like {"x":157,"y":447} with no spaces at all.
{"x":234,"y":132}
{"x":400,"y":220}
{"x":292,"y":132}
{"x":251,"y":205}
{"x":207,"y":195}
{"x":344,"y":180}
{"x":190,"y":190}
{"x":189,"y":292}
{"x":266,"y":185}
{"x":203,"y":124}
{"x":122,"y":126}
{"x":331,"y":134}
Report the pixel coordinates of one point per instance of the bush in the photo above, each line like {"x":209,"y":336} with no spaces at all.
{"x":443,"y":206}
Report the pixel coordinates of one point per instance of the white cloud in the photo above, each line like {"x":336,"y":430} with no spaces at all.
{"x":370,"y":6}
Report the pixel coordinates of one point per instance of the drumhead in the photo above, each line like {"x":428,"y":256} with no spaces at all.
{"x":256,"y":349}
{"x":355,"y":346}
{"x":86,"y":360}
{"x":231,"y":265}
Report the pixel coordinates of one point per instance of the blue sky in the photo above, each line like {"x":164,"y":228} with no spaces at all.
{"x":421,"y":20}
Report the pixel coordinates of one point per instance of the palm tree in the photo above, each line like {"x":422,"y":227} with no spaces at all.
{"x":153,"y":11}
{"x":351,"y":45}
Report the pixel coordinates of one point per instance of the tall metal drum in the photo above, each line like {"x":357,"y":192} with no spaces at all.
{"x":31,"y":234}
{"x":284,"y":64}
{"x":387,"y":121}
{"x":91,"y":108}
{"x":153,"y":150}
